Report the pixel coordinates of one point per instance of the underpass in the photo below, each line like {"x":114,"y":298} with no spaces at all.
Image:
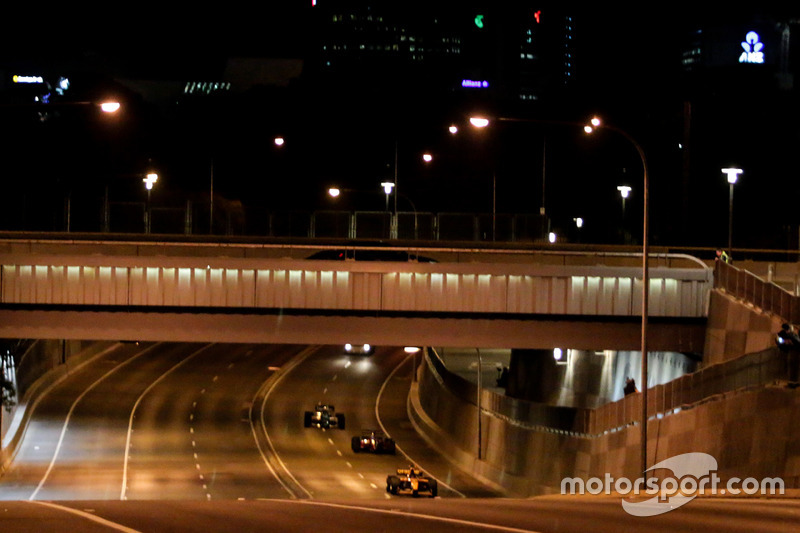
{"x":322,"y":445}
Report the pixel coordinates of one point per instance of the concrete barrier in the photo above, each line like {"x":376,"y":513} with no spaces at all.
{"x":750,"y":429}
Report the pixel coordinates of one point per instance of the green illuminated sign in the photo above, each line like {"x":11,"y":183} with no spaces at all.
{"x":479,"y":21}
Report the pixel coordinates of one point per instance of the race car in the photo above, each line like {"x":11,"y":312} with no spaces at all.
{"x":372,"y":441}
{"x":324,"y":417}
{"x":411,"y":480}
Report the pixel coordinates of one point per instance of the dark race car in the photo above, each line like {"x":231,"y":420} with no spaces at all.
{"x":324,"y":417}
{"x":372,"y":441}
{"x":412,"y":481}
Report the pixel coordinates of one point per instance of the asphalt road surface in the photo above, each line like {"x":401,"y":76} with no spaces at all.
{"x":449,"y":515}
{"x":174,"y":421}
{"x":160,"y":421}
{"x":210,"y":437}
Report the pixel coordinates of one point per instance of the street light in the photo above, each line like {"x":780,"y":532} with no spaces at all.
{"x":483,"y":122}
{"x":479,"y":122}
{"x":388,"y":187}
{"x":413,"y":351}
{"x":149,"y":181}
{"x":596,"y":123}
{"x":624,"y":192}
{"x":109,"y":107}
{"x":733,"y":177}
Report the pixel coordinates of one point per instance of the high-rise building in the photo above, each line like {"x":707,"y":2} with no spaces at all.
{"x":740,"y":104}
{"x":509,"y":52}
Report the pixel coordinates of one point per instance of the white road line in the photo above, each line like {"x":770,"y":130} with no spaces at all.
{"x":383,"y":428}
{"x":88,"y":516}
{"x":296,"y":361}
{"x":136,"y":406}
{"x":32,"y":407}
{"x":69,"y":416}
{"x":396,"y":512}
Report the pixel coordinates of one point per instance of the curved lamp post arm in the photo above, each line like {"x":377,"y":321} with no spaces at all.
{"x":596,"y":123}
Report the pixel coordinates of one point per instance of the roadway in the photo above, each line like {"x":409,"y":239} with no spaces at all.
{"x":172,"y":421}
{"x":210,"y":437}
{"x":546,"y":515}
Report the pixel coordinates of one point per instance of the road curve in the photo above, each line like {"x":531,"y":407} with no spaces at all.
{"x":159,"y":421}
{"x":371,"y":392}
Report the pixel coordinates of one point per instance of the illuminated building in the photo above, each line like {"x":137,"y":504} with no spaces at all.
{"x":510,"y":52}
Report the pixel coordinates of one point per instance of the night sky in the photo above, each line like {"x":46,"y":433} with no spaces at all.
{"x":629,"y":61}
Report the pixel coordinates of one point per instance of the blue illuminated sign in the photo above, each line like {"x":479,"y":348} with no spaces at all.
{"x":753,"y":49}
{"x":475,"y":84}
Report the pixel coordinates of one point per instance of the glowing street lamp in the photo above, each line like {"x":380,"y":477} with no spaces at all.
{"x":733,"y":177}
{"x":624,"y":192}
{"x":413,"y":351}
{"x":388,"y":187}
{"x":479,"y":122}
{"x":427,"y":157}
{"x":595,"y":123}
{"x":110,"y":107}
{"x":149,"y":181}
{"x":280,"y":141}
{"x":334,"y":192}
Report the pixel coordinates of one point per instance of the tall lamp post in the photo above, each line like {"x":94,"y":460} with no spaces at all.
{"x":149,"y":181}
{"x":624,"y":192}
{"x":387,"y":188}
{"x":733,"y":177}
{"x":482,"y":122}
{"x":596,"y":123}
{"x":108,"y":108}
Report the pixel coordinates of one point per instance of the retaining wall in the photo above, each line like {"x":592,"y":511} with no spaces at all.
{"x":750,"y":429}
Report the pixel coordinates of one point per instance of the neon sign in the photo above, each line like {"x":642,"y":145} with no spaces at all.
{"x":479,"y":21}
{"x":475,"y":84}
{"x":753,"y":49}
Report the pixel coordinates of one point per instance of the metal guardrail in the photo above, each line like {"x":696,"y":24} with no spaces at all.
{"x":746,"y":372}
{"x":761,"y":293}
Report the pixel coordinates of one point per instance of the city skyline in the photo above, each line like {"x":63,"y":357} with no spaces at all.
{"x":632,"y":71}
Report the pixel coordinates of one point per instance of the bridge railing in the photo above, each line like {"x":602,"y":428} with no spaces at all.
{"x":746,"y":372}
{"x":766,"y":295}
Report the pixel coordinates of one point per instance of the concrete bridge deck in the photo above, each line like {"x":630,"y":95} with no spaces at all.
{"x":270,"y":293}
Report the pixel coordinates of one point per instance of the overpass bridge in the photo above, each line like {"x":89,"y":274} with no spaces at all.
{"x":240,"y":292}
